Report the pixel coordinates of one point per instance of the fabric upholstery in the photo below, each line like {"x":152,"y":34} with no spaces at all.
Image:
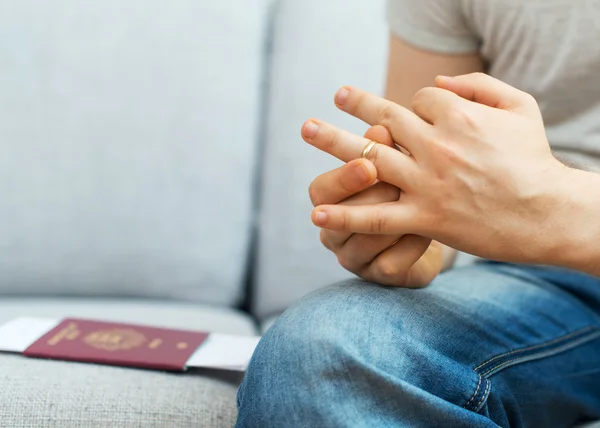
{"x":187,"y":316}
{"x":268,"y":323}
{"x":317,"y":47}
{"x":120,"y":171}
{"x":54,"y":394}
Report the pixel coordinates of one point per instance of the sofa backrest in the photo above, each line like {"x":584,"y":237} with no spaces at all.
{"x":128,"y":135}
{"x":317,"y":46}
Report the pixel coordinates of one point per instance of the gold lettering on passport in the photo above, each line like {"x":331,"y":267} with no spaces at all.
{"x":182,"y":345}
{"x":70,"y":332}
{"x":118,"y":339}
{"x":155,"y":343}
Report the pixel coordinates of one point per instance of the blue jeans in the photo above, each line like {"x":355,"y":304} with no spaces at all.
{"x":487,"y":345}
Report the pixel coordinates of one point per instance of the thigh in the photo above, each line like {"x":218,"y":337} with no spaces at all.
{"x":532,"y":336}
{"x":489,"y":342}
{"x":506,"y":341}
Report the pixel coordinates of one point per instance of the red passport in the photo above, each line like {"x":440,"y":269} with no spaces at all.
{"x":118,"y":344}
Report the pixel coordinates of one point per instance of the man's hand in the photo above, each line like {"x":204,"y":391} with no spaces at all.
{"x":481,"y":177}
{"x":392,"y":260}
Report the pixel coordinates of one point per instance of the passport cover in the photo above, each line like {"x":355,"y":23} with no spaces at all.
{"x":118,"y":344}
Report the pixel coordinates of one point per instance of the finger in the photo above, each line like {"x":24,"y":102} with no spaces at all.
{"x":484,"y":89}
{"x":360,"y":250}
{"x":377,"y":193}
{"x":392,"y":166}
{"x":382,"y":219}
{"x":394,"y":265}
{"x":380,"y":192}
{"x":336,"y":185}
{"x":407,"y":129}
{"x":380,"y":134}
{"x":435,"y":104}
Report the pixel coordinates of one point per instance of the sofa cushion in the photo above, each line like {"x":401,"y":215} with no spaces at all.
{"x":187,"y":316}
{"x":127,"y":137}
{"x":318,"y":46}
{"x":55,"y":394}
{"x":267,"y":323}
{"x":62,"y":394}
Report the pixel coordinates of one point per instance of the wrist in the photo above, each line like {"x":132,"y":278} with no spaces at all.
{"x":570,"y":233}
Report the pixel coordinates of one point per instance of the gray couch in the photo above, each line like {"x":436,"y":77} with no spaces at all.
{"x":151,"y":171}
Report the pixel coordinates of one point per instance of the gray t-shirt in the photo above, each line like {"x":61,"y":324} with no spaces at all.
{"x":549,"y":48}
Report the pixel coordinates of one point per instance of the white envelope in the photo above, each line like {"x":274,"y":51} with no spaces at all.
{"x":218,"y":351}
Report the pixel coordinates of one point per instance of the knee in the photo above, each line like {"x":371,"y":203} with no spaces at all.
{"x":309,"y":339}
{"x":328,"y":325}
{"x":333,"y":336}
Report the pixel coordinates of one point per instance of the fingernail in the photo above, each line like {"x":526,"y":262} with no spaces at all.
{"x":320,"y":218}
{"x":310,"y":129}
{"x":342,"y":96}
{"x":361,"y":172}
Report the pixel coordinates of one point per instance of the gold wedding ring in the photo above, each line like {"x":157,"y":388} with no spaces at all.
{"x":367,"y":149}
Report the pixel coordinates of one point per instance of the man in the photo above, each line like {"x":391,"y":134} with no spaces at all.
{"x":515,"y":342}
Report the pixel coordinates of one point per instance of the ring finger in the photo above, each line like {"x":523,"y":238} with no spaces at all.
{"x":392,"y":165}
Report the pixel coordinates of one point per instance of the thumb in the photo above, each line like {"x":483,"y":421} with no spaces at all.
{"x":484,"y":89}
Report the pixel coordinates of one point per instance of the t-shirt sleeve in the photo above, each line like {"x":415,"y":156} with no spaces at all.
{"x":434,"y":25}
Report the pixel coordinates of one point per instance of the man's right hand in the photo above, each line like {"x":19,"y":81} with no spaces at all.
{"x":400,"y":261}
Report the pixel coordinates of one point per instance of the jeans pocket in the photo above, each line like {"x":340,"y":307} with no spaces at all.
{"x":530,"y":353}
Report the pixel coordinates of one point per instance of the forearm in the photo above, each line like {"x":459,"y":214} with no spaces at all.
{"x":571,"y":237}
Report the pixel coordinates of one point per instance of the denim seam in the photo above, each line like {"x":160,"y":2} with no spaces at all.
{"x":529,"y":348}
{"x":550,"y":352}
{"x":475,"y":393}
{"x":586,"y":334}
{"x":483,"y":396}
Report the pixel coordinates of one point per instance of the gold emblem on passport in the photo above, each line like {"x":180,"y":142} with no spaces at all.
{"x":118,"y":339}
{"x":70,"y":332}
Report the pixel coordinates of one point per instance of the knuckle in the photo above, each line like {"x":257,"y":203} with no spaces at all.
{"x":529,"y":99}
{"x":387,"y":269}
{"x":448,"y":152}
{"x":368,"y":276}
{"x":463,"y":116}
{"x":416,"y":281}
{"x":331,"y":141}
{"x":345,"y":182}
{"x":344,"y":221}
{"x":421,"y":97}
{"x":387,"y":113}
{"x":417,"y":100}
{"x":314,"y":194}
{"x":324,"y":237}
{"x":378,"y":222}
{"x":345,"y":262}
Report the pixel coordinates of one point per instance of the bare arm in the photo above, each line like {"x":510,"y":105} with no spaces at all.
{"x":410,"y":69}
{"x":571,"y":240}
